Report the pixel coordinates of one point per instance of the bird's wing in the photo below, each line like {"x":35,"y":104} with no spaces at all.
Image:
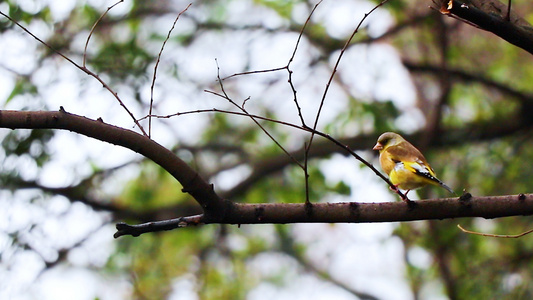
{"x":425,"y":171}
{"x":421,"y":169}
{"x":405,"y":151}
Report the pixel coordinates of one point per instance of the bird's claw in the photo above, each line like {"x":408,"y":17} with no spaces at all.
{"x":403,"y":196}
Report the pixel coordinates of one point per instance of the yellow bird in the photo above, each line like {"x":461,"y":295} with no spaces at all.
{"x":406,"y":166}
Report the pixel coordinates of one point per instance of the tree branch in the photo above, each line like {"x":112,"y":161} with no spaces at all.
{"x":462,"y":75}
{"x":351,"y":212}
{"x":191,"y":181}
{"x":81,"y":193}
{"x":492,"y":16}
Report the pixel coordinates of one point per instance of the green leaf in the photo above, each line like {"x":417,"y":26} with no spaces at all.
{"x":22,"y":86}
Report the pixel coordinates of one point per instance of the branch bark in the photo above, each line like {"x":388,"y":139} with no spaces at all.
{"x":352,"y":212}
{"x":492,"y":16}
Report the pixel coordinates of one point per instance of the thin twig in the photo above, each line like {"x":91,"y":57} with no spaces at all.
{"x":82,"y":68}
{"x":216,"y":110}
{"x":287,"y":67}
{"x":508,"y":16}
{"x":322,"y":101}
{"x":157,"y":64}
{"x":93,"y":28}
{"x":254,"y":72}
{"x":504,"y":236}
{"x":306,"y":174}
{"x":343,"y":50}
{"x":295,"y":98}
{"x":305,"y":128}
{"x":245,"y":112}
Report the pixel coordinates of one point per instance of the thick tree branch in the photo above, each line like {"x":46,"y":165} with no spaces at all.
{"x":192,"y":183}
{"x":492,"y":16}
{"x":351,"y":212}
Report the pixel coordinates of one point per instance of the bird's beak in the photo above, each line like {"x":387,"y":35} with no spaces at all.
{"x":378,"y":146}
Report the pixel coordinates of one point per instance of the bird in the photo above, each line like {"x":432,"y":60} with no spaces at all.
{"x":405,"y":165}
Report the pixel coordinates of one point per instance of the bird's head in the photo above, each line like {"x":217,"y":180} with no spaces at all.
{"x":386,"y":140}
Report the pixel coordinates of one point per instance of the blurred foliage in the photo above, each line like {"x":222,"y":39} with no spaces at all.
{"x":153,"y":188}
{"x":28,"y":142}
{"x":121,"y":60}
{"x":218,"y":260}
{"x":22,"y":86}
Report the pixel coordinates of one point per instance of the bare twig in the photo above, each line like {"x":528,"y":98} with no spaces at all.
{"x":155,"y":68}
{"x":254,"y":72}
{"x":224,"y":95}
{"x":508,"y":15}
{"x":504,"y":236}
{"x":343,"y":50}
{"x":305,"y":128}
{"x":82,"y":68}
{"x":322,"y":101}
{"x":93,"y":28}
{"x":287,"y":67}
{"x":306,"y":174}
{"x":295,"y":98}
{"x":136,"y":230}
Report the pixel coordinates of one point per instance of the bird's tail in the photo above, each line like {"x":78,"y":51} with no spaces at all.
{"x":446,"y":187}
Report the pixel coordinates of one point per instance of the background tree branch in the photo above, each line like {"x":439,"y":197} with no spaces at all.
{"x":492,"y":16}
